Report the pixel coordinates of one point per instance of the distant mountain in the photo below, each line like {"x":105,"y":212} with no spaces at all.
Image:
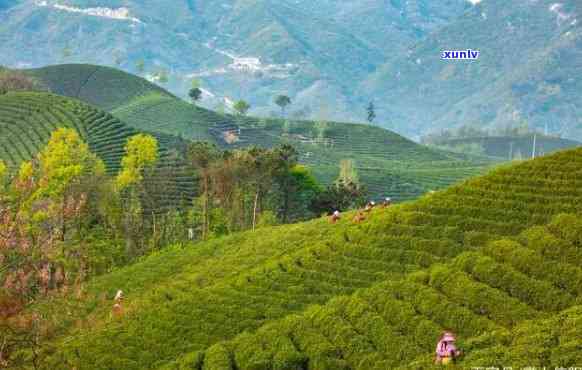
{"x":510,"y":147}
{"x":528,"y":70}
{"x":316,"y":52}
{"x":331,"y":57}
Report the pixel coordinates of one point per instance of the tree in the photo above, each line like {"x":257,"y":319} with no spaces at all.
{"x":195,"y":94}
{"x":348,"y":172}
{"x":371,"y":112}
{"x":3,"y":177}
{"x":64,"y":163}
{"x":345,"y":193}
{"x":141,"y":155}
{"x":300,"y":192}
{"x":285,"y":159}
{"x":340,"y":196}
{"x":45,"y":196}
{"x":17,"y":81}
{"x":242,"y":107}
{"x":204,"y":157}
{"x":283,"y":101}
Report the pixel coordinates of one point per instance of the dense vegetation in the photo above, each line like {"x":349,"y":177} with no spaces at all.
{"x":388,"y":164}
{"x":496,"y":259}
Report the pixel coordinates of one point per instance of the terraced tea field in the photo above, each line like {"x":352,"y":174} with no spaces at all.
{"x":389,"y":164}
{"x":496,"y":259}
{"x":28,"y":119}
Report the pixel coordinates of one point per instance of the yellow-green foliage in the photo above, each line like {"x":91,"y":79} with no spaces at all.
{"x":3,"y":174}
{"x":65,"y":160}
{"x":141,"y":153}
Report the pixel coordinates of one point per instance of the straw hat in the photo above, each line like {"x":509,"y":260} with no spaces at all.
{"x":448,"y":337}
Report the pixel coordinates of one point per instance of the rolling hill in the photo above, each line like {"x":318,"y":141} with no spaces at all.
{"x":495,"y":259}
{"x":28,"y":119}
{"x":388,"y":163}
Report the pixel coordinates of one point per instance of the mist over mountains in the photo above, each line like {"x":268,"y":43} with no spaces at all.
{"x":331,"y":57}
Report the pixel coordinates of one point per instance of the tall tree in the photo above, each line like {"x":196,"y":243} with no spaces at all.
{"x":286,"y":157}
{"x":348,"y":172}
{"x":141,"y":155}
{"x":301,"y":192}
{"x":241,"y":107}
{"x":371,"y":112}
{"x":283,"y":101}
{"x":195,"y":92}
{"x":45,"y":196}
{"x":64,"y":163}
{"x":345,"y":193}
{"x":204,"y":157}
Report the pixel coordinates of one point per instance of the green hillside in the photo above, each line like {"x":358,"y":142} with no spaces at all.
{"x":388,"y":163}
{"x":496,"y":259}
{"x":103,"y":87}
{"x":28,"y":119}
{"x":509,"y":147}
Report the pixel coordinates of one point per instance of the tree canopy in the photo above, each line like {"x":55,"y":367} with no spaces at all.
{"x":282,"y":101}
{"x":241,"y":107}
{"x":17,"y":81}
{"x":141,"y":153}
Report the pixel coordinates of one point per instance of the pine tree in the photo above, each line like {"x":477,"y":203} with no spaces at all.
{"x":371,"y":112}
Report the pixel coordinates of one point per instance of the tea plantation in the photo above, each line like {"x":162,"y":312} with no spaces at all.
{"x":28,"y":119}
{"x":388,"y":163}
{"x":496,"y":259}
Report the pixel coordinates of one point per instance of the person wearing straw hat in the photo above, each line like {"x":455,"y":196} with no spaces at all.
{"x":387,"y":202}
{"x":446,"y":350}
{"x":359,"y":217}
{"x":335,"y":217}
{"x":117,"y":307}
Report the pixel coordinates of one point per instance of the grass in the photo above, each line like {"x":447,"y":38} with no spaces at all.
{"x":496,"y":259}
{"x":388,"y":163}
